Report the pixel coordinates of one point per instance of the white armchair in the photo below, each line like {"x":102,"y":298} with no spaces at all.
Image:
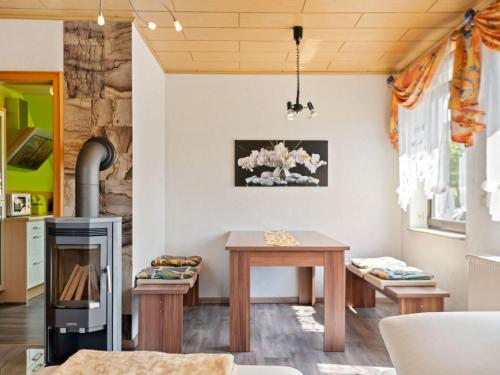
{"x":267,"y":370}
{"x":449,"y":343}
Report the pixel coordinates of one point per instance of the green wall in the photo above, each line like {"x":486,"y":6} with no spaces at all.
{"x":40,"y":115}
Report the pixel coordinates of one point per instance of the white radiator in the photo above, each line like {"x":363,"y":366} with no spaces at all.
{"x":483,"y":282}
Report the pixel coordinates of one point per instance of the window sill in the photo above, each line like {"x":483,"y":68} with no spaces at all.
{"x":442,"y":233}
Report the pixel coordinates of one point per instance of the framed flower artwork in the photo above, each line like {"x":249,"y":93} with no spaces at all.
{"x":284,"y":163}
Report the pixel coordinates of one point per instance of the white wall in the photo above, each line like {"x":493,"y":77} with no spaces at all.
{"x":206,"y":113}
{"x":148,"y":117}
{"x":445,"y":257}
{"x":31,"y":45}
{"x":442,"y":256}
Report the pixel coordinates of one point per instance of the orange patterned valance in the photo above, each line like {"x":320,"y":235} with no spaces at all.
{"x":487,"y":21}
{"x":408,"y":86}
{"x":467,"y":116}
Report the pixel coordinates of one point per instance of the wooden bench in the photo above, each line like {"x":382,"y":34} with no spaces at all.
{"x":411,"y":299}
{"x":161,"y":316}
{"x":161,"y":312}
{"x":416,"y":299}
{"x":192,"y":297}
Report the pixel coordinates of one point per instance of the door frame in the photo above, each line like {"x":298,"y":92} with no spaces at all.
{"x":56,"y":79}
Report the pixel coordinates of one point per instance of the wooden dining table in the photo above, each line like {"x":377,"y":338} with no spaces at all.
{"x":249,"y":248}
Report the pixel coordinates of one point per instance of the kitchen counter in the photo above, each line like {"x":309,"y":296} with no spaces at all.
{"x":28,"y":218}
{"x":24,"y":256}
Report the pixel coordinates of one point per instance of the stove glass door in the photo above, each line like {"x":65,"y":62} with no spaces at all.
{"x":77,"y":276}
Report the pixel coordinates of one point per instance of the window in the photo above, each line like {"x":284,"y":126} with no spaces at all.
{"x":490,"y":90}
{"x":448,"y":207}
{"x":432,"y":168}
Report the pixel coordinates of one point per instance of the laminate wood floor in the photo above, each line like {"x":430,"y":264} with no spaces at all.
{"x":282,"y":334}
{"x":22,"y":324}
{"x":291,"y":335}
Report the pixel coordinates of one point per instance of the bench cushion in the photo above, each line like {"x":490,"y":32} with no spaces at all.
{"x":381,"y":284}
{"x":406,"y":273}
{"x":176,"y":261}
{"x":167,"y":273}
{"x":383,"y":262}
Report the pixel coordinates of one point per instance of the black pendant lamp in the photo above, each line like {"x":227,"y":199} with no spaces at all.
{"x":292,"y":110}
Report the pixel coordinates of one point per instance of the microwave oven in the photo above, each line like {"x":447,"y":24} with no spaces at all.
{"x":18,"y":204}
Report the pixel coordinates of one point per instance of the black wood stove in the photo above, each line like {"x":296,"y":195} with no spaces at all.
{"x":83,"y":268}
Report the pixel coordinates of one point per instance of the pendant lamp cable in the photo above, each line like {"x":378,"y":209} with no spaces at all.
{"x":171,"y":13}
{"x":298,"y":73}
{"x":292,"y":109}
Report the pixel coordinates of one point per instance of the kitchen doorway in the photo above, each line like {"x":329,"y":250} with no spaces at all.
{"x":31,"y":177}
{"x":55,"y":80}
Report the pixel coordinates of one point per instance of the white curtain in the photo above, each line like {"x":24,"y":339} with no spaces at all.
{"x":490,"y":98}
{"x":424,"y":142}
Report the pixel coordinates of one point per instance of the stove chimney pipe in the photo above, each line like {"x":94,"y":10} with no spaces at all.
{"x":97,"y":154}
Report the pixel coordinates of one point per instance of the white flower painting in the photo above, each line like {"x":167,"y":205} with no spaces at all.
{"x":281,"y":163}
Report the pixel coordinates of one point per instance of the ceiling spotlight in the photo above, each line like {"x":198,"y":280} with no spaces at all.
{"x":290,"y":113}
{"x":150,"y":24}
{"x":292,"y":110}
{"x":100,"y":18}
{"x":178,"y":26}
{"x":312,"y":112}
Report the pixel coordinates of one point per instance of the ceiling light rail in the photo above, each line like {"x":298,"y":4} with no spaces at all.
{"x":150,"y":24}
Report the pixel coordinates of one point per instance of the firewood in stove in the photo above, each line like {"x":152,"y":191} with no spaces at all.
{"x":74,"y":284}
{"x":81,"y":283}
{"x":68,"y":283}
{"x":94,"y":286}
{"x":89,"y":286}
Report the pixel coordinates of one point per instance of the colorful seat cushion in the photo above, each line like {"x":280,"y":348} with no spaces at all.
{"x":382,"y":284}
{"x":176,"y":261}
{"x":167,"y":273}
{"x":404,"y":273}
{"x":380,"y":262}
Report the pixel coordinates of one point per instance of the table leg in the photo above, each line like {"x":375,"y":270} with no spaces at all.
{"x":334,"y":300}
{"x":307,"y":293}
{"x":239,"y":302}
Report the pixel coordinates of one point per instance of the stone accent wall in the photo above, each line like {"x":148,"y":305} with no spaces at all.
{"x":98,"y":102}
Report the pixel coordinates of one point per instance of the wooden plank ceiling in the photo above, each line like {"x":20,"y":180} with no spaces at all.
{"x":255,"y":36}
